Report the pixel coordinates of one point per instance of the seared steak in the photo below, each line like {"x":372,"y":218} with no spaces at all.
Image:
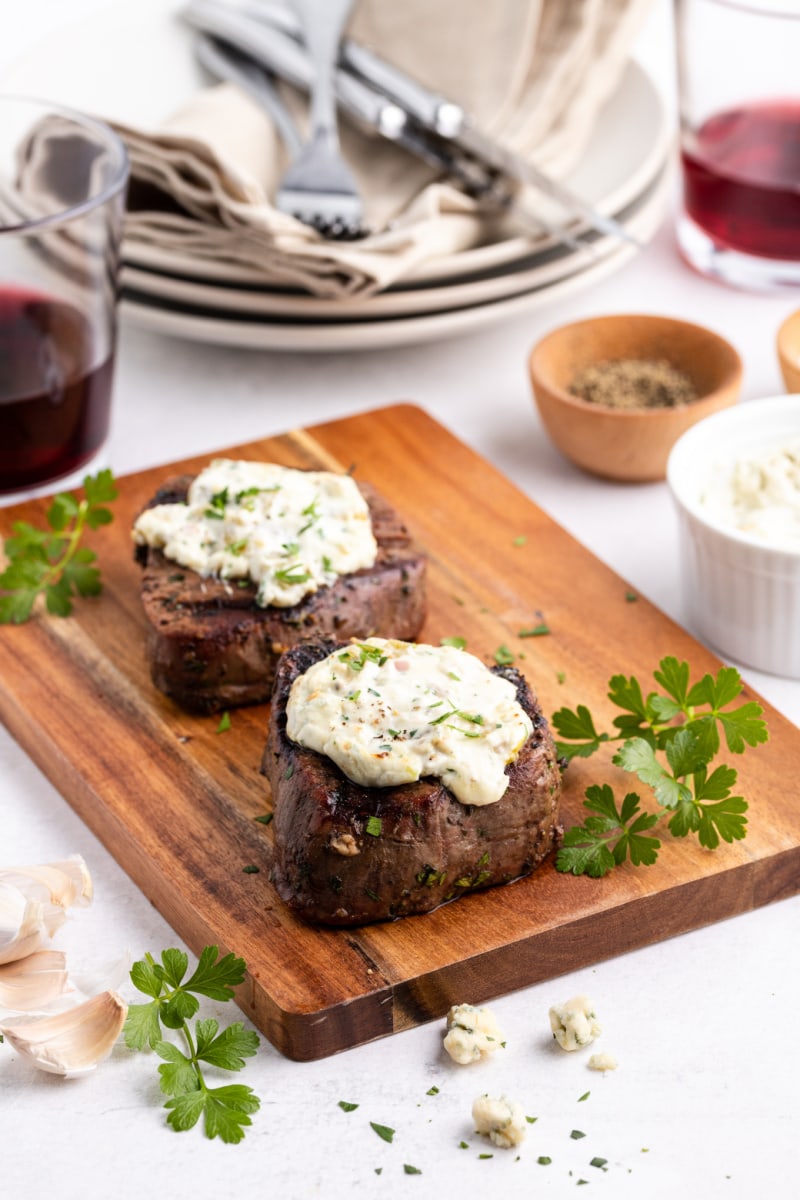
{"x":212,"y":647}
{"x":431,"y":848}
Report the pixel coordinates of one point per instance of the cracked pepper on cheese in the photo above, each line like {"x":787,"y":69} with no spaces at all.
{"x":291,"y":532}
{"x":390,"y":712}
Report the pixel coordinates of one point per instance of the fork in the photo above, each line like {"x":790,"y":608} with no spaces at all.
{"x":318,"y":187}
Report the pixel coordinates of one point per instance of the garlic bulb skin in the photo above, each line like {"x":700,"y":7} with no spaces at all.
{"x":73,"y":1042}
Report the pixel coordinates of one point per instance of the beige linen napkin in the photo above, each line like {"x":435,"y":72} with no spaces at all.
{"x":534,"y":74}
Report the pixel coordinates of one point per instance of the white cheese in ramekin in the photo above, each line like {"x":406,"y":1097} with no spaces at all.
{"x":759,"y":494}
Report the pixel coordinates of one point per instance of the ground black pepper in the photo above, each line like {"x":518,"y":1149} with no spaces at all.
{"x":633,"y":383}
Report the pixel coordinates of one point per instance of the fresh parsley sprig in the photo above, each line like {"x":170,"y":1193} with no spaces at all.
{"x":174,"y":1002}
{"x":53,"y":562}
{"x":669,"y":741}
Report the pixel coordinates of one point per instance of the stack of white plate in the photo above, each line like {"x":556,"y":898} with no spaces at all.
{"x":624,"y":173}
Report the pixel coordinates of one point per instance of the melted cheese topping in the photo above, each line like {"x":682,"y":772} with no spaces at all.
{"x":760,"y":496}
{"x":389,"y":712}
{"x":289,"y":531}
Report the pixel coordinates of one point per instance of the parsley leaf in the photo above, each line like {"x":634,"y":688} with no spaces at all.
{"x":53,"y":563}
{"x":669,"y":741}
{"x":226,"y":1110}
{"x":609,"y":836}
{"x":577,"y":726}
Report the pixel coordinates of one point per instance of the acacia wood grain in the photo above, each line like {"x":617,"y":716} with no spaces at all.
{"x":175,"y":801}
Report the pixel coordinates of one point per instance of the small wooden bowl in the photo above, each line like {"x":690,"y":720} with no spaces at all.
{"x":789,"y":351}
{"x":628,"y":444}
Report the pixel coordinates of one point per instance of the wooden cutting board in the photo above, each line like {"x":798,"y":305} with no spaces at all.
{"x":175,"y":801}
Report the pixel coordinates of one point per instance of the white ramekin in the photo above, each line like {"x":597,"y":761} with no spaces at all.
{"x":741,"y":595}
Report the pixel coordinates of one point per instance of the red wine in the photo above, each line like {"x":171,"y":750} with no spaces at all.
{"x":742,"y":179}
{"x":54,"y":394}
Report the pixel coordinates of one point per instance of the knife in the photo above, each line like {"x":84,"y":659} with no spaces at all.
{"x":434,"y":114}
{"x":276,"y":52}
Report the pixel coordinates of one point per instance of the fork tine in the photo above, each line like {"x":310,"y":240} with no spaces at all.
{"x":319,"y":188}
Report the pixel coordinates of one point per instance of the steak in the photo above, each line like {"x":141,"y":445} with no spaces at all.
{"x":430,"y":848}
{"x":212,"y":647}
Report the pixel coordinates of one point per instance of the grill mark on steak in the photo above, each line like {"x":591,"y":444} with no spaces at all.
{"x":211,"y":646}
{"x":431,"y":848}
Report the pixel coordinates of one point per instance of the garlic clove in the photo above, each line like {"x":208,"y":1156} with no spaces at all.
{"x":73,"y":1042}
{"x":32,"y":983}
{"x":61,"y":883}
{"x":23,"y":924}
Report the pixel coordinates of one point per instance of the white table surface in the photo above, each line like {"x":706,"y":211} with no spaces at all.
{"x":705,"y":1100}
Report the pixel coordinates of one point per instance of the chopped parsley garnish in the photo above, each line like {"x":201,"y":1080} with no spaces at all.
{"x":485,"y":1156}
{"x":432,"y":1091}
{"x":520,"y":540}
{"x":544,"y":1160}
{"x":503,"y":656}
{"x":383,"y":1131}
{"x":531,"y":1120}
{"x":472,"y":718}
{"x":237,"y":547}
{"x":458,"y":643}
{"x":216,"y":505}
{"x":224,"y":723}
{"x":463,"y":1145}
{"x":374,"y":826}
{"x":540,"y":630}
{"x":264,"y":819}
{"x":577,"y":1133}
{"x":246,"y":493}
{"x":409,"y":1170}
{"x":291,"y":575}
{"x":251,"y":870}
{"x":598,"y":1162}
{"x":327,"y":565}
{"x":290,"y":548}
{"x":353,"y":695}
{"x":346,"y":1106}
{"x":312,"y":513}
{"x":367,"y":654}
{"x":585,"y":1096}
{"x":631,"y":597}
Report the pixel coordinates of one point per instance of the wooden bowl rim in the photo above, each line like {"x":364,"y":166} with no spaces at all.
{"x":731,"y":380}
{"x":784,"y":341}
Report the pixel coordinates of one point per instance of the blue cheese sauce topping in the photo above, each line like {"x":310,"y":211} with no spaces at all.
{"x":290,"y":532}
{"x":389,"y":712}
